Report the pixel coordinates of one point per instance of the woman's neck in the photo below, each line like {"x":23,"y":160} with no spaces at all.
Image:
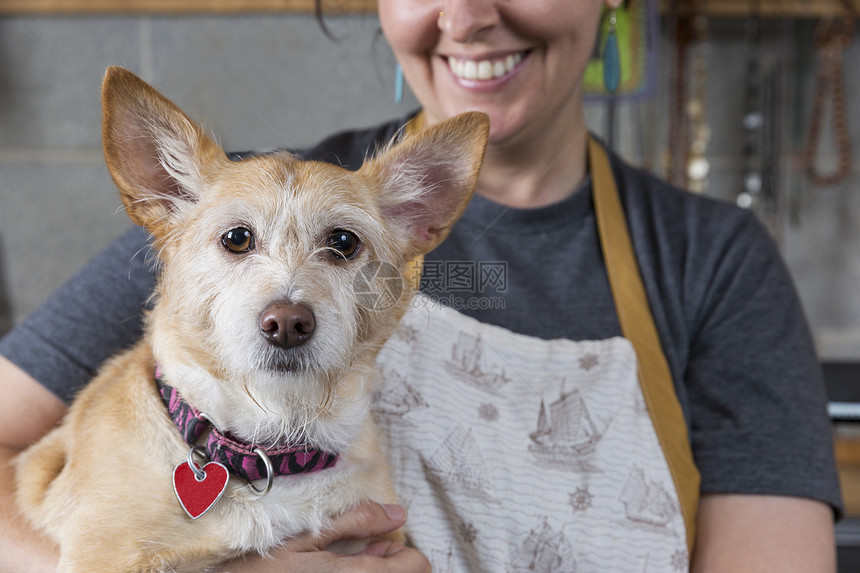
{"x":538,"y":169}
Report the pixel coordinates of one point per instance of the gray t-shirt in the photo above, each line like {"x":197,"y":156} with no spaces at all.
{"x":729,"y":319}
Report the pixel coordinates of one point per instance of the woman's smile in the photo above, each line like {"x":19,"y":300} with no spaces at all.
{"x":473,"y":71}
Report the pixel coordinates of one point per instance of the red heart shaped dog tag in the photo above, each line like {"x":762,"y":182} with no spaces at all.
{"x":197,"y":496}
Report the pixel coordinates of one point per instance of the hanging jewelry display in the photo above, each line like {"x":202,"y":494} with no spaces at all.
{"x":833,"y":36}
{"x":697,"y":165}
{"x":771,"y":148}
{"x":675,"y":153}
{"x":753,"y":119}
{"x":762,"y":124}
{"x":685,"y":160}
{"x":802,"y":54}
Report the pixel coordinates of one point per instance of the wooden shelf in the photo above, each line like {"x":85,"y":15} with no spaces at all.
{"x":769,"y":8}
{"x":848,"y":451}
{"x":716,"y":8}
{"x":848,"y":462}
{"x":178,"y":6}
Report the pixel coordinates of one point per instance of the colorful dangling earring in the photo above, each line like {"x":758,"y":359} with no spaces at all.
{"x":611,"y":57}
{"x":398,"y":84}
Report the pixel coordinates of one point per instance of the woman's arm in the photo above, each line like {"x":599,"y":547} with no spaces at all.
{"x":754,"y":533}
{"x":94,"y":315}
{"x":27,"y":412}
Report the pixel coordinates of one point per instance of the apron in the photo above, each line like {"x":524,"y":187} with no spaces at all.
{"x":513,"y":453}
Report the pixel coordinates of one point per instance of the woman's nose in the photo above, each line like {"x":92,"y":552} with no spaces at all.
{"x":466,"y":20}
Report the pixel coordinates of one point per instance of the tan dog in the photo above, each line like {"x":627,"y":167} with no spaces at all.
{"x":257,"y":325}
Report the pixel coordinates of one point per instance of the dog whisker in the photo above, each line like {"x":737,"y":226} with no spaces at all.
{"x":247,"y":392}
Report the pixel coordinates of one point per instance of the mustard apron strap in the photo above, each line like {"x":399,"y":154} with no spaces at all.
{"x":637,"y":325}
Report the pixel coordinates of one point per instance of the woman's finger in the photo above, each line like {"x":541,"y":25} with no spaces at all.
{"x":362,"y":522}
{"x":394,"y":558}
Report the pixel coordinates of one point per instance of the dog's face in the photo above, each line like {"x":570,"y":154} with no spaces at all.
{"x":279,"y":276}
{"x":262,"y":267}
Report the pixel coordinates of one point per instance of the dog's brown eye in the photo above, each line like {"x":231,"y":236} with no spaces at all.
{"x":342,"y":244}
{"x":238,"y":240}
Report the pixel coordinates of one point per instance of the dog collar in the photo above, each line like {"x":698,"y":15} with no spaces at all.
{"x":240,"y":459}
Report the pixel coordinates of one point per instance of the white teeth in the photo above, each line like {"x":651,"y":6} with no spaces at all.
{"x":470,"y":70}
{"x":483,"y":69}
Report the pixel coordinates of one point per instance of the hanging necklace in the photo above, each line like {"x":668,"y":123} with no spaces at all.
{"x":753,"y":118}
{"x":676,"y":143}
{"x":697,"y":165}
{"x":771,"y":148}
{"x":832,"y":38}
{"x":685,"y":161}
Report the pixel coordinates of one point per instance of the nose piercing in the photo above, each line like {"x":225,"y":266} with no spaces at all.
{"x":441,"y":13}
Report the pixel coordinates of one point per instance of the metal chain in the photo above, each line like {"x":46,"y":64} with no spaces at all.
{"x":675,"y":158}
{"x":832,"y":38}
{"x":697,"y":165}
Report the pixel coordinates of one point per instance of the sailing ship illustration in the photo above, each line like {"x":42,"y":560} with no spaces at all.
{"x":457,"y":465}
{"x":397,"y":398}
{"x":646,"y":501}
{"x":468,"y":363}
{"x":566,"y":433}
{"x":543,"y":551}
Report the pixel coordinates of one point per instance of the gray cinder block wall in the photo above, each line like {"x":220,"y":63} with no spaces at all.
{"x":255,"y":82}
{"x":262,"y":81}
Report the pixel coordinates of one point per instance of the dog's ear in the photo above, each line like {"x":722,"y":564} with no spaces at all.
{"x":427,"y":179}
{"x":157,"y":156}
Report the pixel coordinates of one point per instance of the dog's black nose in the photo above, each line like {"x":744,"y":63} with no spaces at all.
{"x":287,"y":324}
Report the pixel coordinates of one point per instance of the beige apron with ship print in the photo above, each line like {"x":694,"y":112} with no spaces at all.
{"x":514,"y":453}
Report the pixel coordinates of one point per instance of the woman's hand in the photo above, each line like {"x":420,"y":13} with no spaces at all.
{"x":308,"y":553}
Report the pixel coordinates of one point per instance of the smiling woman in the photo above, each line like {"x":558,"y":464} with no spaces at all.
{"x":520,"y":62}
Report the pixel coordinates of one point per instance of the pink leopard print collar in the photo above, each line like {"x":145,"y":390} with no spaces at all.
{"x":239,"y":458}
